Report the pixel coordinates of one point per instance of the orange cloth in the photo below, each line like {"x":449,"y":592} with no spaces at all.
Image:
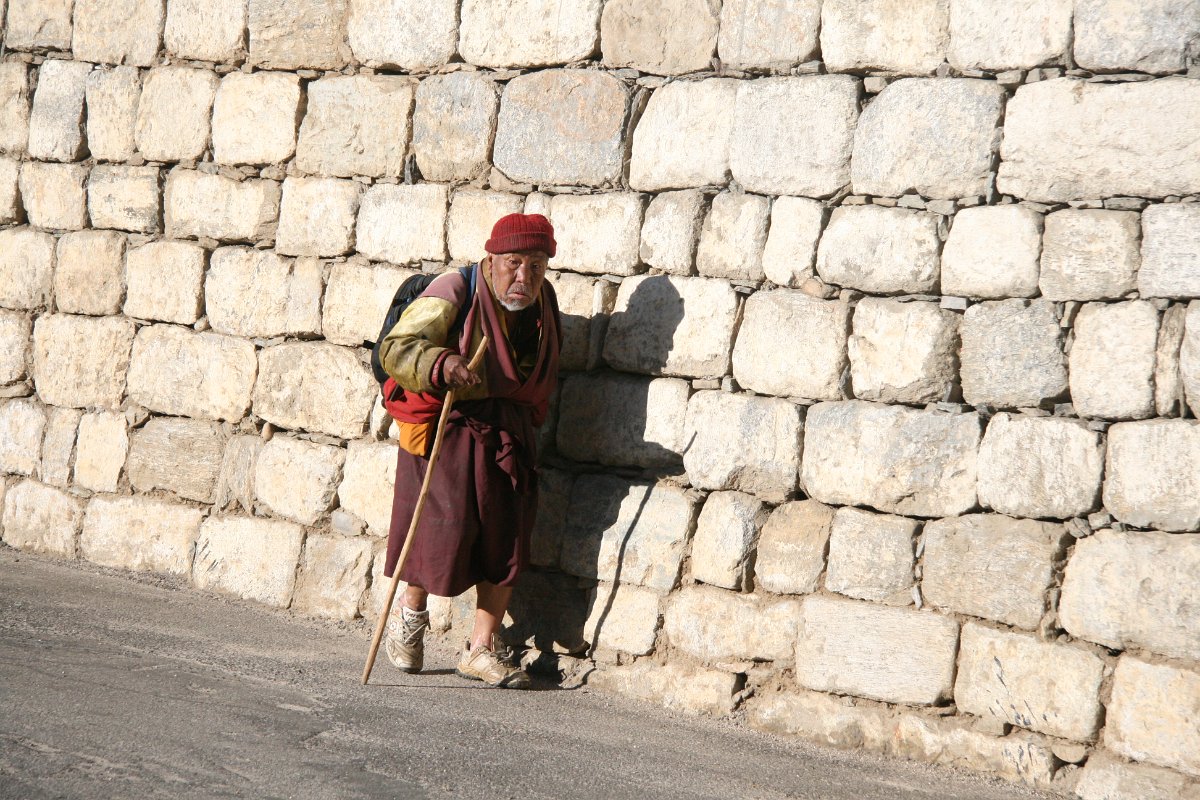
{"x":415,"y":437}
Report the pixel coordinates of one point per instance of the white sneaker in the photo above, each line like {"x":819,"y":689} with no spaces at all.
{"x":406,"y":639}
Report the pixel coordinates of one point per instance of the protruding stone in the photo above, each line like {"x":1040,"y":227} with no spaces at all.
{"x":791,"y":549}
{"x":101,"y":450}
{"x":26,"y":268}
{"x":811,"y":368}
{"x":403,"y":224}
{"x":682,"y":139}
{"x":255,"y":117}
{"x":871,"y":556}
{"x":213,"y":206}
{"x":1112,"y":360}
{"x":1154,"y":715}
{"x":369,"y":111}
{"x":880,"y":250}
{"x":317,"y":216}
{"x":674,"y":686}
{"x":1169,"y":391}
{"x":1151,"y":37}
{"x":723,"y":548}
{"x":14,"y":106}
{"x":715,"y":625}
{"x":333,"y":576}
{"x":56,"y":120}
{"x":1170,"y":251}
{"x":140,"y":533}
{"x":1152,"y":474}
{"x":112,"y":101}
{"x":298,"y":34}
{"x":623,"y":618}
{"x":206,"y":30}
{"x":298,"y":479}
{"x":902,"y":352}
{"x":173,"y":114}
{"x":254,"y":559}
{"x":528,"y":33}
{"x":411,"y":35}
{"x":791,"y":249}
{"x":90,"y":276}
{"x":885,"y":36}
{"x":992,"y":252}
{"x":58,"y":446}
{"x":165,"y":281}
{"x":22,"y":423}
{"x":773,"y":34}
{"x":1089,"y":254}
{"x":1005,"y":35}
{"x":68,"y":375}
{"x":622,"y":419}
{"x":356,"y":301}
{"x":36,"y":24}
{"x":176,"y":454}
{"x":822,"y":718}
{"x":957,"y":742}
{"x":128,"y":32}
{"x":178,"y":371}
{"x":54,"y":195}
{"x":315,"y":387}
{"x":235,"y":483}
{"x":1012,"y":354}
{"x":663,"y":38}
{"x":1106,"y":778}
{"x":41,"y":519}
{"x":454,"y":125}
{"x":733,"y":236}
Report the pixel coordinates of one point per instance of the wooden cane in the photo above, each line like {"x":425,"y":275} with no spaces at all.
{"x":416,"y":517}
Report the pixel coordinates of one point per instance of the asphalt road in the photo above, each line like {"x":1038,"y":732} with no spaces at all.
{"x":115,"y":685}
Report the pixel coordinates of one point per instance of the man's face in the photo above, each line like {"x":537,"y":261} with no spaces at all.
{"x":517,"y":277}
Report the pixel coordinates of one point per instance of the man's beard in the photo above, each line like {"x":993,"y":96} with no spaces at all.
{"x":516,"y":305}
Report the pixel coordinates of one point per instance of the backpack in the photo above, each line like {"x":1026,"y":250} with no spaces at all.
{"x":410,"y":290}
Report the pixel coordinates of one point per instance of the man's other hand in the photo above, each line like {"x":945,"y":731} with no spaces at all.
{"x":456,"y":374}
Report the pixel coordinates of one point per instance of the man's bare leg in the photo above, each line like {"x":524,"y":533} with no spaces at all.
{"x":415,"y":597}
{"x":490,"y":604}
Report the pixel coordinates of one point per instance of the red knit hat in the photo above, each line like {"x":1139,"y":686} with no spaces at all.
{"x":517,"y":232}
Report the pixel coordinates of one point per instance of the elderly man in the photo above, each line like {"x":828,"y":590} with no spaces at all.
{"x":477,"y":521}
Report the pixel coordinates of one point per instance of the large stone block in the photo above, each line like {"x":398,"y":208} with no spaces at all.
{"x":1104,"y":777}
{"x":26,"y":268}
{"x":217,"y":207}
{"x":554,"y":500}
{"x":58,"y":446}
{"x":1154,"y":36}
{"x":1170,"y":251}
{"x":1089,"y":254}
{"x":992,"y":566}
{"x":125,"y":198}
{"x":54,"y":195}
{"x":871,"y":556}
{"x":173,"y":113}
{"x":356,"y":301}
{"x":36,"y":24}
{"x":473,"y":212}
{"x":674,"y":686}
{"x":894,"y":459}
{"x":1112,"y":360}
{"x":1169,"y":390}
{"x":586,"y":305}
{"x":411,"y":35}
{"x":22,"y":423}
{"x":90,"y":275}
{"x":670,"y":231}
{"x":315,"y":387}
{"x":663,"y":38}
{"x":893,"y":36}
{"x":454,"y":125}
{"x":824,"y":719}
{"x":255,"y":117}
{"x":316,"y":216}
{"x":56,"y":119}
{"x":1152,"y":474}
{"x":14,"y":106}
{"x":10,"y":193}
{"x":206,"y":30}
{"x":140,"y":533}
{"x":256,"y":293}
{"x":528,"y":33}
{"x":118,"y":31}
{"x":333,"y":577}
{"x":16,"y":331}
{"x":622,"y":617}
{"x":165,"y":281}
{"x":1012,"y":354}
{"x":1154,"y":715}
{"x":178,"y":371}
{"x":41,"y":519}
{"x":751,"y":444}
{"x":843,"y":643}
{"x":957,"y":742}
{"x":298,"y":34}
{"x":1003,"y":34}
{"x":932,"y":136}
{"x":622,"y":420}
{"x":597,"y":233}
{"x":791,"y":249}
{"x":682,"y":139}
{"x":177,"y":454}
{"x":254,"y":559}
{"x":112,"y":101}
{"x":774,"y":34}
{"x":880,"y":250}
{"x":235,"y":483}
{"x":356,"y":125}
{"x":903,"y":352}
{"x":714,"y":625}
{"x":100,"y":450}
{"x":723,"y":548}
{"x":812,"y":367}
{"x":733,"y":237}
{"x":1189,"y":355}
{"x":1066,"y":139}
{"x":298,"y":479}
{"x":70,"y":375}
{"x":992,"y":253}
{"x":403,"y":224}
{"x":791,"y":548}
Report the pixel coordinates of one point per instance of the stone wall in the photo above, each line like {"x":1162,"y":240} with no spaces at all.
{"x":877,"y":425}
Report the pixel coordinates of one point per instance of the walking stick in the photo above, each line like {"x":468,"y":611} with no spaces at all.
{"x":416,"y":517}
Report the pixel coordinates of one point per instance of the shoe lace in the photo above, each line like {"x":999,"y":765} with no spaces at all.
{"x":410,"y":631}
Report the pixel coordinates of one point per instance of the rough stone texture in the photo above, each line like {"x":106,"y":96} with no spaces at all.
{"x":112,"y":99}
{"x":871,"y":556}
{"x":1153,"y":36}
{"x":1106,"y":778}
{"x":35,"y":24}
{"x":919,"y":669}
{"x":125,"y":198}
{"x":1170,"y":251}
{"x":674,"y":686}
{"x":472,"y":214}
{"x":664,"y":325}
{"x":140,"y":533}
{"x":1189,"y":356}
{"x":255,"y":117}
{"x":298,"y":479}
{"x":316,"y":216}
{"x":791,"y":249}
{"x":957,"y":743}
{"x":454,"y":125}
{"x":90,"y":275}
{"x":1012,"y":354}
{"x":100,"y":450}
{"x":1112,"y":360}
{"x":669,"y":38}
{"x":733,"y":237}
{"x":723,"y":548}
{"x":196,"y":204}
{"x":173,"y":114}
{"x":315,"y":387}
{"x":403,"y":224}
{"x":1089,"y":254}
{"x":562,"y":127}
{"x":903,"y":352}
{"x":176,"y":454}
{"x":54,"y":196}
{"x":56,"y":119}
{"x":117,"y":31}
{"x":206,"y":30}
{"x":235,"y":483}
{"x":682,"y":139}
{"x":1040,"y":467}
{"x":178,"y":371}
{"x":821,"y":718}
{"x":165,"y":281}
{"x":751,"y":444}
{"x":714,"y":625}
{"x":27,"y":268}
{"x":1067,"y":139}
{"x":16,"y":331}
{"x":1154,"y":715}
{"x":257,"y":293}
{"x":298,"y":34}
{"x":411,"y":35}
{"x":14,"y":106}
{"x":1168,"y":378}
{"x":357,"y":300}
{"x":932,"y":136}
{"x":528,"y":33}
{"x":10,"y":194}
{"x":775,"y":33}
{"x":622,"y":617}
{"x":41,"y":519}
{"x":254,"y":559}
{"x":880,"y":250}
{"x":993,"y":252}
{"x":1137,"y":589}
{"x":66,"y":374}
{"x":1152,"y":474}
{"x":597,"y":233}
{"x":333,"y":577}
{"x":812,"y":367}
{"x":554,"y":497}
{"x":791,"y":548}
{"x":622,"y":419}
{"x":992,"y":566}
{"x":356,"y":125}
{"x":891,"y":36}
{"x":671,"y":229}
{"x":1003,"y":34}
{"x":894,"y":459}
{"x":58,"y":445}
{"x":586,"y":305}
{"x":22,"y":423}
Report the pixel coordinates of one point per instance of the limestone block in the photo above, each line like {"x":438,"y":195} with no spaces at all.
{"x":14,"y":106}
{"x":316,"y":216}
{"x":775,"y":33}
{"x":173,"y":113}
{"x":356,"y":301}
{"x":140,"y":533}
{"x":880,"y":250}
{"x":316,"y":387}
{"x":771,"y":154}
{"x":958,"y":743}
{"x":733,"y":237}
{"x":1168,"y":378}
{"x":1112,"y":360}
{"x":682,"y":139}
{"x":892,"y":36}
{"x":112,"y":102}
{"x":903,"y":352}
{"x":932,"y":136}
{"x":791,"y":249}
{"x":356,"y":125}
{"x":298,"y":34}
{"x":554,"y":499}
{"x":165,"y":281}
{"x":1189,"y":355}
{"x":622,"y":617}
{"x":15,"y":332}
{"x":255,"y":116}
{"x":367,"y":488}
{"x":257,"y":293}
{"x":235,"y":482}
{"x":473,"y":212}
{"x":41,"y":519}
{"x":100,"y":451}
{"x":1170,"y":251}
{"x":403,"y":224}
{"x":178,"y":371}
{"x":670,"y":231}
{"x":254,"y":559}
{"x":634,"y":532}
{"x":825,"y":719}
{"x":10,"y":194}
{"x":333,"y":577}
{"x":715,"y":625}
{"x":177,"y":454}
{"x":1152,"y":474}
{"x":118,"y":31}
{"x":622,"y":419}
{"x":26,"y":268}
{"x":213,"y":206}
{"x":597,"y":233}
{"x":1040,"y":467}
{"x":1106,"y":778}
{"x":125,"y":198}
{"x":791,"y":548}
{"x":90,"y":276}
{"x":668,"y":38}
{"x":894,"y":459}
{"x":454,"y":125}
{"x":1002,"y":34}
{"x":528,"y":33}
{"x":1066,"y":139}
{"x":726,"y":532}
{"x":871,"y":556}
{"x":1126,"y":590}
{"x":841,"y":641}
{"x":54,"y":196}
{"x":583,"y":144}
{"x":22,"y":423}
{"x":58,"y":445}
{"x":68,"y":374}
{"x":411,"y":35}
{"x":812,"y":367}
{"x":586,"y":304}
{"x":56,"y":119}
{"x":993,"y":252}
{"x":1149,"y":37}
{"x":206,"y":30}
{"x":992,"y":566}
{"x":1012,"y":354}
{"x":673,"y":686}
{"x":298,"y":479}
{"x":37,"y":24}
{"x":1089,"y":254}
{"x":1154,"y":715}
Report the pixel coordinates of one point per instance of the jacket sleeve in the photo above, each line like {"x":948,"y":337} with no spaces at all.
{"x":416,"y":342}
